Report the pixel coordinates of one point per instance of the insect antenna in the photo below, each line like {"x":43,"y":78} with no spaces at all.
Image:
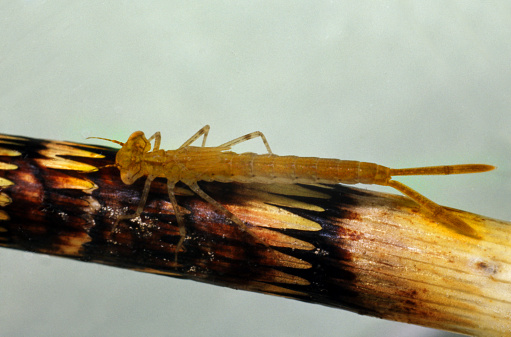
{"x":110,"y":140}
{"x":105,"y":166}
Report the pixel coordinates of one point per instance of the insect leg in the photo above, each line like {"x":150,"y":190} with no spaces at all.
{"x":248,"y":137}
{"x":179,"y":217}
{"x":434,"y":208}
{"x":157,"y":140}
{"x":143,"y":200}
{"x":204,"y":131}
{"x":195,"y":188}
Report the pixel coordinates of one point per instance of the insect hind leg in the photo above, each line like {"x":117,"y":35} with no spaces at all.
{"x":437,"y":210}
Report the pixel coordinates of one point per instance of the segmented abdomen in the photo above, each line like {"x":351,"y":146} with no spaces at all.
{"x":251,"y":167}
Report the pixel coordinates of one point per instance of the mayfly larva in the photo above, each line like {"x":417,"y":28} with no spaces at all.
{"x":190,"y":164}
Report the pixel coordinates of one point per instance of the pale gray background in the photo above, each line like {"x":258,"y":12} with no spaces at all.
{"x":398,"y":83}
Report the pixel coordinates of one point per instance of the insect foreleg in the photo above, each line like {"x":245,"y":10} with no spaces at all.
{"x":157,"y":140}
{"x":195,"y":188}
{"x":436,"y":210}
{"x":179,"y":217}
{"x":248,"y":137}
{"x":143,"y":200}
{"x":204,"y":131}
